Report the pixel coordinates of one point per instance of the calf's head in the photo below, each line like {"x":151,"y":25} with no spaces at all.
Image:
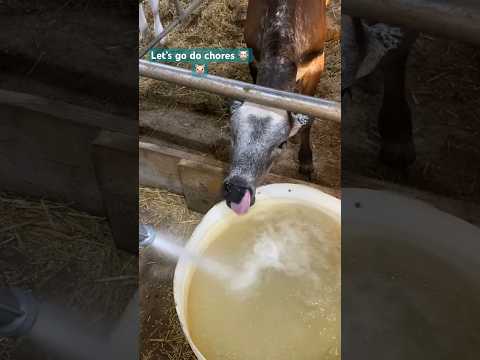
{"x":258,"y":135}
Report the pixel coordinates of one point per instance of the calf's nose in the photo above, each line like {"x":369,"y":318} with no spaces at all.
{"x":238,"y":195}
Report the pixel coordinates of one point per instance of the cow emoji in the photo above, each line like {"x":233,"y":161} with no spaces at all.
{"x":243,"y":55}
{"x":200,"y":69}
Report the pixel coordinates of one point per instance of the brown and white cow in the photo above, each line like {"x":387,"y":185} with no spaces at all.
{"x":287,"y":38}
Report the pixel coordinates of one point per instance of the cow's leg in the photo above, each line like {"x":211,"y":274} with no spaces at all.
{"x":307,"y":85}
{"x":305,"y":154}
{"x":253,"y":70}
{"x":142,"y":21}
{"x":157,"y":23}
{"x":395,"y":117}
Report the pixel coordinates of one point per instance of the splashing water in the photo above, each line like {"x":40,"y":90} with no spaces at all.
{"x":283,"y":253}
{"x":168,"y":245}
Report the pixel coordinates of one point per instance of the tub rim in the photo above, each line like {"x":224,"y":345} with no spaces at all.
{"x":281,"y":191}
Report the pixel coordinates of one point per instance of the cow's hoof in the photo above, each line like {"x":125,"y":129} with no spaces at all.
{"x":399,"y":155}
{"x":306,"y":170}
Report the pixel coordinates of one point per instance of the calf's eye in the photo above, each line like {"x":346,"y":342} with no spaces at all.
{"x":282,"y":145}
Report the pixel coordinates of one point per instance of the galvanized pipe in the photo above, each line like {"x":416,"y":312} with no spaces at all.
{"x":185,"y":13}
{"x":18,"y":312}
{"x":325,"y":109}
{"x":457,"y":20}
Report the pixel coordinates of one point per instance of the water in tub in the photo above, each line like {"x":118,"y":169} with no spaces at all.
{"x":283,"y":299}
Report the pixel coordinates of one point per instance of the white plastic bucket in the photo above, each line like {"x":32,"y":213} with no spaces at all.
{"x":390,"y":215}
{"x":221,"y":214}
{"x":411,"y":279}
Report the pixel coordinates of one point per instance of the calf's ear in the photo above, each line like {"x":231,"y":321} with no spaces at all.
{"x":381,"y":39}
{"x":234,"y":105}
{"x":297,"y":121}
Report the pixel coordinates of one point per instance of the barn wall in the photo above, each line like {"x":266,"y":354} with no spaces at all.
{"x":45,"y":156}
{"x":94,"y":169}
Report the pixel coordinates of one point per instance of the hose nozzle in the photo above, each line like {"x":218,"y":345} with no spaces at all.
{"x":18,"y":311}
{"x":146,"y":235}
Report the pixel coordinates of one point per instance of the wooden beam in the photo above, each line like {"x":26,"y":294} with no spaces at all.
{"x":74,"y":113}
{"x":201,"y":134}
{"x":158,"y":165}
{"x":184,"y":128}
{"x":115,"y":159}
{"x":197,"y":177}
{"x":202,"y":184}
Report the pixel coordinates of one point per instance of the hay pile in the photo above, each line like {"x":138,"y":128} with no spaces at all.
{"x":167,"y":211}
{"x":218,"y":24}
{"x":161,"y":334}
{"x":63,"y":255}
{"x":167,"y":341}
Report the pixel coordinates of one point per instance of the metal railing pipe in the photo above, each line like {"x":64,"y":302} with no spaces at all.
{"x":456,"y":20}
{"x":325,"y":109}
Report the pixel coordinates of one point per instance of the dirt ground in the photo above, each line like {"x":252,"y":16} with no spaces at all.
{"x":444,"y":77}
{"x":66,"y":257}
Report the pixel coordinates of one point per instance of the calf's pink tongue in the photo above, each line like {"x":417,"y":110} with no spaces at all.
{"x":243,"y":206}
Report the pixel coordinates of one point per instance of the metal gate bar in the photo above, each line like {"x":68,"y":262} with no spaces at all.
{"x":457,"y":20}
{"x":325,"y":109}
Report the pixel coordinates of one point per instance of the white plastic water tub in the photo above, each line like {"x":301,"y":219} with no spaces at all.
{"x":221,"y":214}
{"x":410,"y":279}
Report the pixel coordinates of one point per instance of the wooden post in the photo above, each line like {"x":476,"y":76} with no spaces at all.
{"x":115,"y":158}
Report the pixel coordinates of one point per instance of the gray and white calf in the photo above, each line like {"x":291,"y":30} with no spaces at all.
{"x":288,"y":39}
{"x":367,"y":46}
